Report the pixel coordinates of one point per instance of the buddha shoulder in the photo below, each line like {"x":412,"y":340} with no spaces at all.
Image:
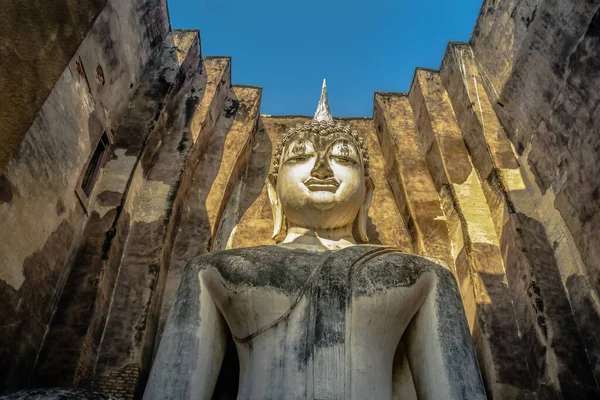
{"x":241,"y":258}
{"x":397,"y":269}
{"x":279,"y":267}
{"x":261,"y":265}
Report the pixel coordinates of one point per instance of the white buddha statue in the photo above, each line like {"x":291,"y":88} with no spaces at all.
{"x":318,"y":316}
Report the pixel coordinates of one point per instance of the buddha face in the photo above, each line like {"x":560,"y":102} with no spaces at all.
{"x":321,"y":182}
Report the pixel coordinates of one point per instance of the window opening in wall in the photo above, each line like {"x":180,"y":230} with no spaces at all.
{"x":95,"y":165}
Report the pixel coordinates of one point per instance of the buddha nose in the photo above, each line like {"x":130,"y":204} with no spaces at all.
{"x":321,"y":170}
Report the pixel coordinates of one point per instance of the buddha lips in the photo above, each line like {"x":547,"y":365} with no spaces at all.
{"x":328,"y":185}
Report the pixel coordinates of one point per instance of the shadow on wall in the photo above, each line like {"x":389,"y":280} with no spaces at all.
{"x":195,"y":229}
{"x":258,"y":169}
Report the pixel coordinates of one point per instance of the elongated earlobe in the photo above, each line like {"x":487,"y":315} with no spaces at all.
{"x":363,"y":213}
{"x":276,"y":208}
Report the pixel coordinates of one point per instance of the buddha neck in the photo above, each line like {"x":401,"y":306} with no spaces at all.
{"x":318,"y":239}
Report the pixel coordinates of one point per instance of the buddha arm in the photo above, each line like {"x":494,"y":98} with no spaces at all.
{"x":193,"y":344}
{"x":439,"y":346}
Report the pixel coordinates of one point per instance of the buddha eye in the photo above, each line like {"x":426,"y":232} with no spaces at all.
{"x":298,"y":159}
{"x":344,"y":160}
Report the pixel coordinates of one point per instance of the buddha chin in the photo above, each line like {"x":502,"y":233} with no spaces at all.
{"x":322,"y":200}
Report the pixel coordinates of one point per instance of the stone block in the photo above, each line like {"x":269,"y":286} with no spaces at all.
{"x":409,"y":177}
{"x":191,"y":238}
{"x":134,"y":312}
{"x":479,"y":263}
{"x":83,"y":309}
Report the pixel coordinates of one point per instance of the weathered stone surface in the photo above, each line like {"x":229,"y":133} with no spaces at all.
{"x":37,"y":41}
{"x":450,"y":165}
{"x":70,"y":349}
{"x":191,"y":237}
{"x":507,"y":190}
{"x":386,"y":224}
{"x":409,"y":177}
{"x":56,"y":394}
{"x":337,"y":297}
{"x":549,"y":101}
{"x":585,"y":311}
{"x":239,"y":141}
{"x":43,"y":213}
{"x":488,"y":145}
{"x":479,"y":264}
{"x":513,"y":144}
{"x":213,"y":181}
{"x":499,"y":31}
{"x":128,"y":335}
{"x":557,"y":359}
{"x":546,"y":98}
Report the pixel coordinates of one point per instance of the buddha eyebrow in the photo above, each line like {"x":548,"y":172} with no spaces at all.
{"x":299,"y":148}
{"x":344,"y":148}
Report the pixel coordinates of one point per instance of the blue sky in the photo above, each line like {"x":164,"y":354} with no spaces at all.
{"x":288,"y":47}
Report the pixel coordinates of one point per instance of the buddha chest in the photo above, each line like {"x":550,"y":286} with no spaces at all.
{"x":314,"y":307}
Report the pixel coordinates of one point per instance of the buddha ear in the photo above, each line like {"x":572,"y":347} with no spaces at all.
{"x":276,"y":207}
{"x":363,"y":212}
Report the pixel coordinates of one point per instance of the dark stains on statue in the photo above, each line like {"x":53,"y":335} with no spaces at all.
{"x":277,"y":267}
{"x":383,"y":273}
{"x":287,"y":270}
{"x":331,"y":282}
{"x":453,"y":335}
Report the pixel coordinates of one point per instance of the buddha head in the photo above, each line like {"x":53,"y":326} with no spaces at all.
{"x":319,"y":177}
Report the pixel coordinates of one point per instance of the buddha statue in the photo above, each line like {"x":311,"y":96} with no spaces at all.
{"x":318,"y":316}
